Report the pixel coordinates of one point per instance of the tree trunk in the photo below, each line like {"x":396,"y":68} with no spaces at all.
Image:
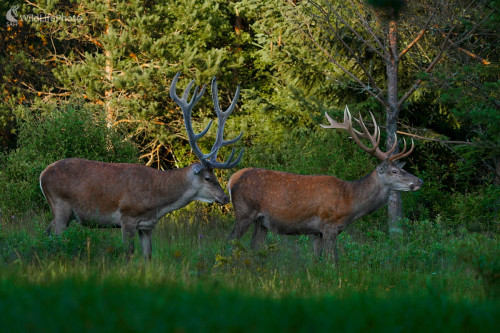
{"x":394,"y":206}
{"x":108,"y":71}
{"x":108,"y":94}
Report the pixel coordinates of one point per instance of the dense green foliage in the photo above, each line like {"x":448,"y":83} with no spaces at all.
{"x":122,"y":55}
{"x":68,"y":131}
{"x":97,"y":87}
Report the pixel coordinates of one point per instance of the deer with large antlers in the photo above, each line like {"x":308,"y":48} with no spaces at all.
{"x":322,"y":206}
{"x":133,"y":196}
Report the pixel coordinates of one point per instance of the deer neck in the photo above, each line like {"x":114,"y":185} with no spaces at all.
{"x":368,"y":194}
{"x":175,"y":189}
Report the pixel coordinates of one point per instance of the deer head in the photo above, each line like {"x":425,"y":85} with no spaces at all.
{"x":389,"y":171}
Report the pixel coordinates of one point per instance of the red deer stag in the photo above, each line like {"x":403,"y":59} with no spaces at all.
{"x":323,"y":206}
{"x":132,"y":196}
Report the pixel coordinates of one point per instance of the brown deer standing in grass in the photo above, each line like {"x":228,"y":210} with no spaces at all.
{"x":322,"y":206}
{"x":132,"y":196}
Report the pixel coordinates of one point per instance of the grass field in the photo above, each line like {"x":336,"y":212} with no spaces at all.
{"x":432,"y":279}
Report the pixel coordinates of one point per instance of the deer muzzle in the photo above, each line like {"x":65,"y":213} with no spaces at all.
{"x":417,"y":185}
{"x":223,"y":200}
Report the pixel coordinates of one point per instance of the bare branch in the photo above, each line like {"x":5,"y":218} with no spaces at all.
{"x":419,"y":137}
{"x":372,"y":89}
{"x":421,"y":33}
{"x":345,"y":70}
{"x":413,"y":42}
{"x":417,"y":82}
{"x":473,"y":55}
{"x":357,"y":59}
{"x":347,"y":25}
{"x":445,"y":45}
{"x":369,"y":29}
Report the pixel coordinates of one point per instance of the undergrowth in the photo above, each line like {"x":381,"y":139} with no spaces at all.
{"x":191,"y":247}
{"x":433,"y":278}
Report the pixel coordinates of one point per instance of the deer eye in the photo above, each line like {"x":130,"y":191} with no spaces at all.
{"x":394,"y":171}
{"x":207,"y":178}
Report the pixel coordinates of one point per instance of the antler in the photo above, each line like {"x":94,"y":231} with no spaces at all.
{"x":373,"y":138}
{"x":219,"y":141}
{"x":187,"y":108}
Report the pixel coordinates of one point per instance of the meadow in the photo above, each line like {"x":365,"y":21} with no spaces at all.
{"x":97,"y":87}
{"x":441,"y":274}
{"x":431,"y":278}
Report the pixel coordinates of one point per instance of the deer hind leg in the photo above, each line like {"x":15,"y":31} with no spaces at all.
{"x":240,"y":227}
{"x":145,"y":239}
{"x":332,"y":243}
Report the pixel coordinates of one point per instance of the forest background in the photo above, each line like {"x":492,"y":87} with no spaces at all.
{"x":90,"y":79}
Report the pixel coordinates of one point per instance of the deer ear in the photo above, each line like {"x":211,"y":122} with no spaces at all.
{"x":401,"y":164}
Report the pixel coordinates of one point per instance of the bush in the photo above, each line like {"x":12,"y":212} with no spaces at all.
{"x":69,"y":131}
{"x":314,"y":152}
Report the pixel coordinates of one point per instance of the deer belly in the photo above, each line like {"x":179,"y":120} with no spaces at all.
{"x":147,"y":225}
{"x":98,"y":219}
{"x":300,"y":227}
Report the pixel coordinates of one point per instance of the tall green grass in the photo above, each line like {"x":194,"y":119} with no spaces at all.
{"x":191,"y":246}
{"x":83,"y":305}
{"x":432,"y":279}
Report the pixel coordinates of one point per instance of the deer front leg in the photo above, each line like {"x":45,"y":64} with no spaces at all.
{"x":330,"y":233}
{"x":128,"y":235}
{"x":333,"y":240}
{"x":258,"y":237}
{"x":318,"y":245}
{"x":145,"y":239}
{"x":241,"y":226}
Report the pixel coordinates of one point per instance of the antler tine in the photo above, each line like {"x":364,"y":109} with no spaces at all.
{"x":334,"y":124}
{"x":229,"y":164}
{"x":182,"y":102}
{"x":219,"y":141}
{"x":186,"y":112}
{"x":347,"y":126}
{"x":403,"y":153}
{"x":365,"y":134}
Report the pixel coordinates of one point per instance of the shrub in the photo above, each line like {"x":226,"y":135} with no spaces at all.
{"x":72,"y":130}
{"x":480,"y":252}
{"x":313,"y":152}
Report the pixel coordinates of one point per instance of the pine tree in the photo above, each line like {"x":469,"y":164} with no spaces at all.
{"x":123,"y":55}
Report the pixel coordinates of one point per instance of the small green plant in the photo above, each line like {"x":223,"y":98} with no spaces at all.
{"x":482,"y":254}
{"x":32,"y":244}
